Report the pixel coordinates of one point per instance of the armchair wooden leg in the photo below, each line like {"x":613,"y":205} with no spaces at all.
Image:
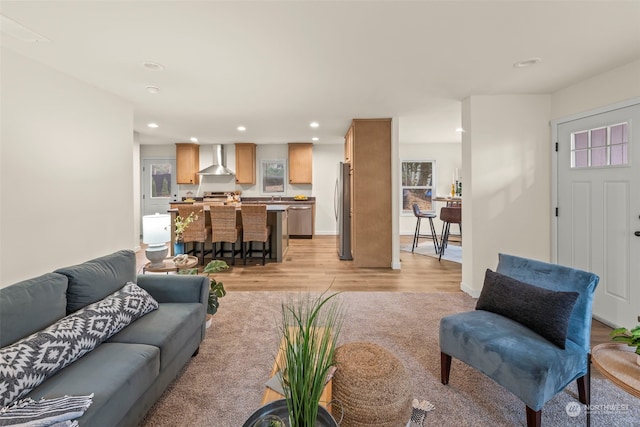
{"x":584,"y":384}
{"x":534,"y":418}
{"x":445,"y":368}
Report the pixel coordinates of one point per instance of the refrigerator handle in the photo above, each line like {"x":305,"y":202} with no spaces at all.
{"x":335,"y":200}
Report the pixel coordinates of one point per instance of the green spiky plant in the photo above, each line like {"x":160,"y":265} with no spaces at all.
{"x":216,"y":289}
{"x":310,"y":327}
{"x":630,"y":337}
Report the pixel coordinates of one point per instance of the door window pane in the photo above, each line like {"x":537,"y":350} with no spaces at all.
{"x":581,"y":141}
{"x":161,"y":180}
{"x":599,"y":137}
{"x":619,"y":155}
{"x":603,"y":146}
{"x":599,"y":157}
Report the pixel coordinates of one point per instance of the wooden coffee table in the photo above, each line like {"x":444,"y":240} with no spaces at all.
{"x":169,"y":266}
{"x":271,"y":395}
{"x":617,"y":362}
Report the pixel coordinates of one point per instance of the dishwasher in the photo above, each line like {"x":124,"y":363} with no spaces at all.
{"x":301,"y":221}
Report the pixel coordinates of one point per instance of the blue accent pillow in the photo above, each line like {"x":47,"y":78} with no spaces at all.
{"x":544,"y":311}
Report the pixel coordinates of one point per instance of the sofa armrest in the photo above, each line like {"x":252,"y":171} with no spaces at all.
{"x":176,"y":288}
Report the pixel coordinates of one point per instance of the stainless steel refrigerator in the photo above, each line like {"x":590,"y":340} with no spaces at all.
{"x":342,"y":210}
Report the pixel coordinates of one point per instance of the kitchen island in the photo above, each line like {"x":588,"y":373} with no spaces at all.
{"x":277,"y":218}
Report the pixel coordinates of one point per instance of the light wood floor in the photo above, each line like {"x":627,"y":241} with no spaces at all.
{"x":313,"y":264}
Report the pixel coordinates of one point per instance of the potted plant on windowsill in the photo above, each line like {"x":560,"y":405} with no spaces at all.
{"x":630,"y":337}
{"x":216,"y":289}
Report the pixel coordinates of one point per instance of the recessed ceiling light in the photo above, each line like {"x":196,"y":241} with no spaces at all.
{"x":153,"y":66}
{"x":153,"y":125}
{"x":153,"y":89}
{"x":193,"y":139}
{"x":315,"y":138}
{"x":527,"y":62}
{"x":241,"y":128}
{"x":314,"y":124}
{"x":460,"y":130}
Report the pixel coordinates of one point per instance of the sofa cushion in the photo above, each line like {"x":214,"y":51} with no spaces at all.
{"x":31,"y":360}
{"x":93,"y":280}
{"x":117,"y":375}
{"x":167,"y":328}
{"x":46,"y":299}
{"x":544,"y":311}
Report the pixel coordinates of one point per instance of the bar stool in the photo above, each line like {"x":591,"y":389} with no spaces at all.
{"x":427,"y":215}
{"x":224,"y":230}
{"x":449,"y":215}
{"x":197,"y":231}
{"x":255,"y":229}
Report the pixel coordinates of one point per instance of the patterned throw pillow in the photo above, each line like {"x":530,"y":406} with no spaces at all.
{"x":27,"y":363}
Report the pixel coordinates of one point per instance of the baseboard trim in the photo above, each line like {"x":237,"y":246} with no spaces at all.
{"x":473,"y":293}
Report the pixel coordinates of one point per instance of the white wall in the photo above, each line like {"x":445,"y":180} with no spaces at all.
{"x":67,"y":171}
{"x":506,"y":152}
{"x":447,"y":157}
{"x":607,"y":88}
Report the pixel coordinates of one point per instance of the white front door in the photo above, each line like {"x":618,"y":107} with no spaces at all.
{"x":158,"y":185}
{"x":599,"y":207}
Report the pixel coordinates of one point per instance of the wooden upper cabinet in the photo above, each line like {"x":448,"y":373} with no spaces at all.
{"x":348,"y":146}
{"x":187,"y":163}
{"x":300,"y":163}
{"x":245,"y":163}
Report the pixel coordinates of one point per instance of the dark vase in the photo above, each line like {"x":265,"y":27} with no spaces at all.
{"x":279,"y":408}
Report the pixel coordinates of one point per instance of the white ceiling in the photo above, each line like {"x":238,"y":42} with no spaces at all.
{"x":274,"y":67}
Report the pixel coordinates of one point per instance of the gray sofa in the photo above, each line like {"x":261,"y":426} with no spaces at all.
{"x":129,"y":371}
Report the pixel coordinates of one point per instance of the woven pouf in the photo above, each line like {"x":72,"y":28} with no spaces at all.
{"x":372,"y":385}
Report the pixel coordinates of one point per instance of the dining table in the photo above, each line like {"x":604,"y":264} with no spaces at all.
{"x":450,"y":201}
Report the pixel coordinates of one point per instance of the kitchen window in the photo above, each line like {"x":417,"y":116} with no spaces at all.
{"x":273,"y":176}
{"x":417,"y":185}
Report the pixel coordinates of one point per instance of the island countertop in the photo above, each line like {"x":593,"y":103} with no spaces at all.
{"x":276,"y":219}
{"x":277,"y":207}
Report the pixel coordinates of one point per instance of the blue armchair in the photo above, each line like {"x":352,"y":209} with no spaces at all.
{"x":532,"y":340}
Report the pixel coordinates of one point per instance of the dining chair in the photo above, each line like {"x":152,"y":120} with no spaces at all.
{"x":449,"y":215}
{"x":224,"y":229}
{"x":416,"y":235}
{"x":255,"y":229}
{"x":197,"y":231}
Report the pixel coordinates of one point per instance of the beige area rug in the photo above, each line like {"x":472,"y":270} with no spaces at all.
{"x":223,"y":385}
{"x":451,"y":253}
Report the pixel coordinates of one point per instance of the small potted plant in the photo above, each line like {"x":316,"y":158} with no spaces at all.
{"x":216,"y":289}
{"x":310,"y":327}
{"x":630,"y":337}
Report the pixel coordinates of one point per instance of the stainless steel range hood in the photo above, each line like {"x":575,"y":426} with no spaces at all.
{"x":217,"y":167}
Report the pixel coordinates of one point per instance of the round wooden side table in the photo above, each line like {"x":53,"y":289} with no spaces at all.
{"x":617,"y":362}
{"x":169,"y":266}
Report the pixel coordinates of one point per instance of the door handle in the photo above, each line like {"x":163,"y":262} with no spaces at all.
{"x":637,"y":233}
